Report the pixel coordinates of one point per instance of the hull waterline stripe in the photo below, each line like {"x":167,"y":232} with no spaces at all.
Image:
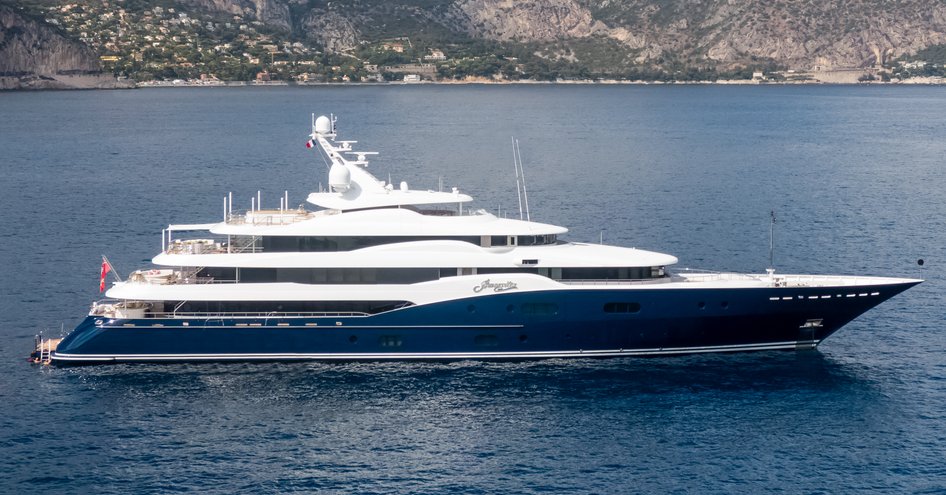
{"x":424,"y":355}
{"x":326,"y":325}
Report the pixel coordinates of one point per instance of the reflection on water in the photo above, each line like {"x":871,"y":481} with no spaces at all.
{"x":340,"y":426}
{"x":591,"y":378}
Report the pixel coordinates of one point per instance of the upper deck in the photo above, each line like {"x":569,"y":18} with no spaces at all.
{"x":352,"y":187}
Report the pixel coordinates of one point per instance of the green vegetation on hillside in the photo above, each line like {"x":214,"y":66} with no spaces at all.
{"x":166,"y":40}
{"x":928,"y":62}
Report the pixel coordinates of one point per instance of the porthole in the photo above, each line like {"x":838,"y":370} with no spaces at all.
{"x":724,"y":304}
{"x":471,"y":308}
{"x":523,"y":338}
{"x":511,"y":308}
{"x":353,"y":339}
{"x":701,"y":305}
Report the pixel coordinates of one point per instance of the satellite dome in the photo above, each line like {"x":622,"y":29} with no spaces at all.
{"x":323,"y":125}
{"x":339,"y":178}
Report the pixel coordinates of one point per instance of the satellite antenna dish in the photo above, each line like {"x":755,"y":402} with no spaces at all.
{"x":361,"y":156}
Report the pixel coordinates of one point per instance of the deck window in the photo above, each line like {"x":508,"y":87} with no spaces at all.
{"x":622,"y":307}
{"x":339,"y":275}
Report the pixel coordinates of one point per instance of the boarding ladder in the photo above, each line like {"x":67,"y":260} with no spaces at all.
{"x":43,"y":349}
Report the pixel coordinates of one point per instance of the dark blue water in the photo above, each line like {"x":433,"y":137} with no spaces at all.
{"x":856,"y":176}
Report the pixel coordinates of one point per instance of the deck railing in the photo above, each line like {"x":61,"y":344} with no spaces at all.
{"x":216,"y":315}
{"x":274,"y":217}
{"x":610,"y":281}
{"x":270,"y":314}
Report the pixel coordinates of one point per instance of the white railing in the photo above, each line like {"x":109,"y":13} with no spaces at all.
{"x":778,"y":280}
{"x":238,"y":244}
{"x":695,"y":275}
{"x":264,"y":315}
{"x":274,"y":217}
{"x":611,"y":281}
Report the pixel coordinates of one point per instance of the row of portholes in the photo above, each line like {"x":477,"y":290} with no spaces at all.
{"x":479,"y":340}
{"x":723,"y":304}
{"x":526,"y":308}
{"x":611,"y":307}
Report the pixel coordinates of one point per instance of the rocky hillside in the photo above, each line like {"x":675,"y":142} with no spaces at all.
{"x":574,"y":38}
{"x":793,"y":33}
{"x":34,"y":55}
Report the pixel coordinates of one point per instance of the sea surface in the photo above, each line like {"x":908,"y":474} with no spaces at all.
{"x":856,"y":176}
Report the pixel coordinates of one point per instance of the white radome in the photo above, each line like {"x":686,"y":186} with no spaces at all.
{"x":323,"y":125}
{"x":339,"y":178}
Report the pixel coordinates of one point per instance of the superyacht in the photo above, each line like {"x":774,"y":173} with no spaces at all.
{"x":378,"y":271}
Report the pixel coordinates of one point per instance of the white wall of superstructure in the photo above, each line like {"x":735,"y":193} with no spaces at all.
{"x":434,"y":254}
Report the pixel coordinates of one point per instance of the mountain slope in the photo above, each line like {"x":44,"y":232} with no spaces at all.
{"x":597,"y":38}
{"x":35,"y":55}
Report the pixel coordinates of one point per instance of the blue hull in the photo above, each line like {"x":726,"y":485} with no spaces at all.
{"x":566,"y":323}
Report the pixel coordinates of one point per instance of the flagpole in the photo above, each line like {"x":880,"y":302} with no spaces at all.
{"x":111,"y":268}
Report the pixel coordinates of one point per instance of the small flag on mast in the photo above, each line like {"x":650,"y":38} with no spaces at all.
{"x":106,"y":267}
{"x":309,"y":144}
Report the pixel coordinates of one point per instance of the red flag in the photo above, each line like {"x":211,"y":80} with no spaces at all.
{"x":309,"y":144}
{"x":105,"y":269}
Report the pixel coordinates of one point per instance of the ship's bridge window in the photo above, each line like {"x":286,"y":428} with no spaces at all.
{"x":613,"y":273}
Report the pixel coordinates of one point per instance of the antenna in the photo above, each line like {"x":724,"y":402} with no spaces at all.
{"x":515,"y":163}
{"x":772,"y":242}
{"x":522,"y":174}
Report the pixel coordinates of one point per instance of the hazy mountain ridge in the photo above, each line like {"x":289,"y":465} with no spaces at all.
{"x":794,"y":33}
{"x":618,"y":37}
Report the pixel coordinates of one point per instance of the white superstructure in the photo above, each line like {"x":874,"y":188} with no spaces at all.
{"x":377,"y":226}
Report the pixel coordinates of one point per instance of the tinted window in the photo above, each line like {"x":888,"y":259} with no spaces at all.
{"x":622,"y":307}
